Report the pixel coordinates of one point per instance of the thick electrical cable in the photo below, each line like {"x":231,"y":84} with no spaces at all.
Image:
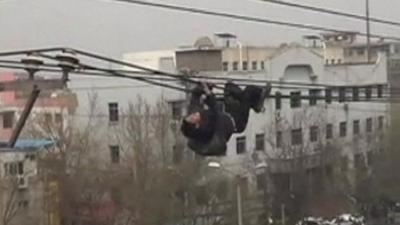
{"x":331,"y":12}
{"x":250,"y":18}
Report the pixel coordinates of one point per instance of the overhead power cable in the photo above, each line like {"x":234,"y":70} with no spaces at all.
{"x":112,"y":73}
{"x":220,"y":80}
{"x":383,"y":99}
{"x":152,"y":72}
{"x":250,"y":18}
{"x":116,"y":74}
{"x":331,"y":12}
{"x":149,"y":71}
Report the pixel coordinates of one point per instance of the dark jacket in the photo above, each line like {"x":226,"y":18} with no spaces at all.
{"x":216,"y":145}
{"x":208,"y":121}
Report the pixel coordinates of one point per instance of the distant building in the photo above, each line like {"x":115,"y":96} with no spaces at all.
{"x":23,"y":185}
{"x":334,"y":43}
{"x":158,"y":60}
{"x":52,"y":107}
{"x":291,"y":130}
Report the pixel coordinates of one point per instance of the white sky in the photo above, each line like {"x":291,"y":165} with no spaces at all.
{"x":112,"y":28}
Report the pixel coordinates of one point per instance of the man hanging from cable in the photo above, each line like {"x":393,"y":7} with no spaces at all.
{"x":207,"y":128}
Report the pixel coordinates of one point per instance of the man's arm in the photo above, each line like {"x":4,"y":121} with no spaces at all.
{"x":210,"y":99}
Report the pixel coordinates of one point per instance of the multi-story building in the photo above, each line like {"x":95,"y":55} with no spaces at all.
{"x":20,"y":169}
{"x":52,"y":106}
{"x":291,"y":129}
{"x":23,"y":197}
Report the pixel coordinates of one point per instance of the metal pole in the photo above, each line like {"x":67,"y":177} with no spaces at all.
{"x":283,"y":214}
{"x":239,"y":203}
{"x":24,"y":116}
{"x":368,"y":31}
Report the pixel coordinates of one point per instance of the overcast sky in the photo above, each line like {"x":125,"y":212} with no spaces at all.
{"x":112,"y":28}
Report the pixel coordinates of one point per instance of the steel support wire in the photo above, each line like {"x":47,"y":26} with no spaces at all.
{"x":116,"y":74}
{"x":248,"y":18}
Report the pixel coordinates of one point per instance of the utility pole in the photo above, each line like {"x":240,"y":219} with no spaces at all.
{"x":368,"y":31}
{"x":239,"y":201}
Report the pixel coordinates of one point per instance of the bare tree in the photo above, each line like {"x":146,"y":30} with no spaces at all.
{"x":305,"y":169}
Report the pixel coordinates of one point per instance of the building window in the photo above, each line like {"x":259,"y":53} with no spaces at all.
{"x":355,"y":94}
{"x":113,"y":112}
{"x":261,"y":181}
{"x":380,"y":91}
{"x":342,"y":129}
{"x":369,"y":125}
{"x":380,"y":122}
{"x":23,"y":204}
{"x":58,"y":118}
{"x":254,"y":65}
{"x":177,"y":151}
{"x":313,"y":133}
{"x":342,"y":94}
{"x":14,"y":168}
{"x":245,"y":65}
{"x":177,"y":109}
{"x":262,"y":65}
{"x":48,"y":118}
{"x":241,"y":145}
{"x":332,"y":61}
{"x":368,"y":93}
{"x":328,"y":96}
{"x":20,"y":168}
{"x":329,"y":131}
{"x":356,"y":127}
{"x":260,"y":144}
{"x":314,"y":94}
{"x":350,"y":52}
{"x":326,"y":61}
{"x":8,"y":120}
{"x":360,"y":52}
{"x":278,"y":100}
{"x":339,"y":61}
{"x":297,"y":137}
{"x":279,"y":139}
{"x":235,"y":66}
{"x":114,"y":152}
{"x":295,"y":99}
{"x":225,"y":66}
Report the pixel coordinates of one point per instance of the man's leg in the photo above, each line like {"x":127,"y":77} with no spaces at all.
{"x":195,"y":103}
{"x":232,"y":90}
{"x":236,"y":106}
{"x":255,"y":96}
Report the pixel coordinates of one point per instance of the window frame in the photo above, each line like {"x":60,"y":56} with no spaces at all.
{"x":295,"y":99}
{"x":235,"y":66}
{"x":343,"y":129}
{"x":297,"y":136}
{"x":329,"y":131}
{"x":254,"y":65}
{"x":368,"y":125}
{"x":241,"y":145}
{"x":113,"y":112}
{"x":225,"y":66}
{"x":245,"y":65}
{"x":115,"y":154}
{"x":8,"y":119}
{"x":356,"y":127}
{"x":260,"y":142}
{"x":314,"y":133}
